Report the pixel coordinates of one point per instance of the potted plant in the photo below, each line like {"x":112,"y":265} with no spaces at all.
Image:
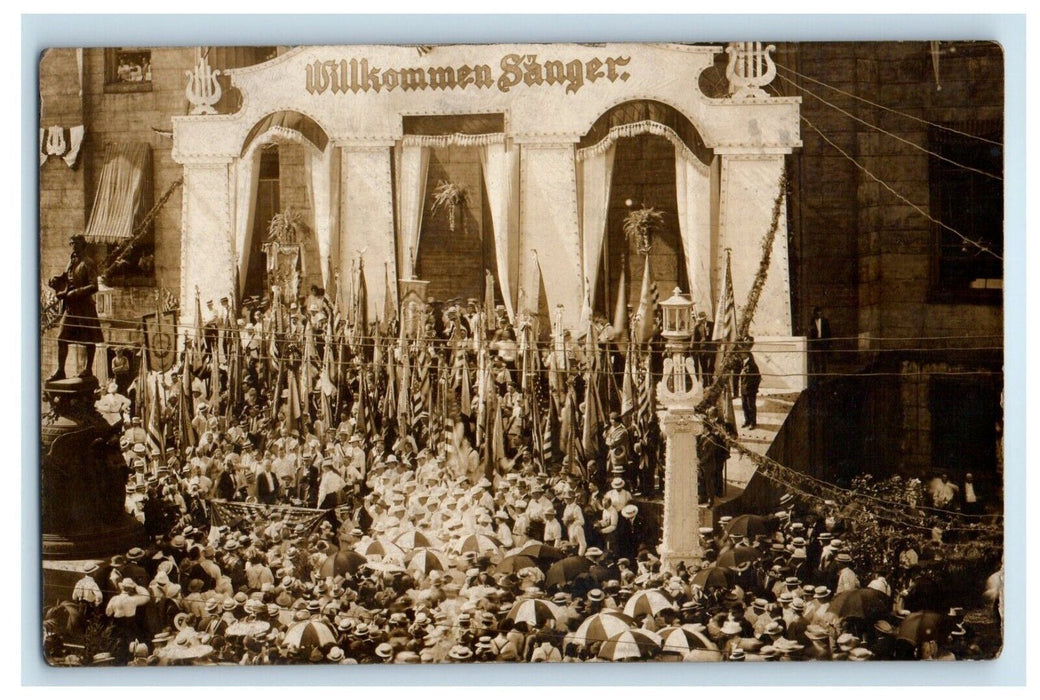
{"x":639,"y":224}
{"x":284,"y":225}
{"x":448,"y":196}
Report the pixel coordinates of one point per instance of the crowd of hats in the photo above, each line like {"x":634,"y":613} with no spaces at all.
{"x":434,"y":577}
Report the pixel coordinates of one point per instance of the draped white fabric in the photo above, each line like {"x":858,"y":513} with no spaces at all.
{"x":693,"y":200}
{"x":119,"y":192}
{"x":319,"y":165}
{"x":413,"y":162}
{"x":247,"y":180}
{"x":595,"y":173}
{"x":498,"y":162}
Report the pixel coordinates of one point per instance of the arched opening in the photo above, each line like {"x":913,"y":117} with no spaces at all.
{"x":279,"y":170}
{"x":645,"y":136}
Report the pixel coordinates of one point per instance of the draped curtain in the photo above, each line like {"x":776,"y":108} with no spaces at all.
{"x":595,"y":177}
{"x":413,"y":162}
{"x":693,"y":200}
{"x":120,"y":194}
{"x":498,"y":162}
{"x":320,"y":165}
{"x":247,"y":180}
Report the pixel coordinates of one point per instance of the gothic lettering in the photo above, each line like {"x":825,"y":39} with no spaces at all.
{"x":354,"y":75}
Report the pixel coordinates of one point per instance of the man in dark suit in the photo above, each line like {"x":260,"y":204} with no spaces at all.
{"x":704,"y":348}
{"x":750,"y":380}
{"x":266,"y":485}
{"x":818,"y":333}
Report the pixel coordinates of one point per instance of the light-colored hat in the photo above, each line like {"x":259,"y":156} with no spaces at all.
{"x":630,"y":511}
{"x":617,"y":483}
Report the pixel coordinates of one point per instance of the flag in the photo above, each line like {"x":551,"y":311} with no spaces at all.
{"x":570,"y":428}
{"x":153,"y":421}
{"x":489,"y":298}
{"x":495,"y":450}
{"x":214,"y":379}
{"x":292,"y":404}
{"x":550,"y":431}
{"x":361,"y":315}
{"x":197,"y":358}
{"x":389,"y":301}
{"x":629,"y":383}
{"x":465,"y":391}
{"x":619,"y":324}
{"x":186,"y":409}
{"x":590,"y":433}
{"x":420,"y":395}
{"x":725,"y":333}
{"x":645,"y":320}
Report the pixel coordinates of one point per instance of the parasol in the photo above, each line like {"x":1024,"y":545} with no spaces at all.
{"x":649,"y":602}
{"x":536,"y":612}
{"x":425,"y":560}
{"x":515,"y":563}
{"x":864,"y":603}
{"x":538,"y":550}
{"x":601,"y":627}
{"x":630,"y":644}
{"x":683,"y":640}
{"x":381,"y":548}
{"x":566,"y":570}
{"x":712,"y":577}
{"x":478,"y":543}
{"x":416,"y":538}
{"x":342,"y":562}
{"x":737,"y":556}
{"x":309,"y":634}
{"x":749,"y":526}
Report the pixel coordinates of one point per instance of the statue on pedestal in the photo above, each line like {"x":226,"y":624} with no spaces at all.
{"x":75,"y":288}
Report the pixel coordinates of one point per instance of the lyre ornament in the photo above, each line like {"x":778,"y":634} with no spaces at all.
{"x":203,"y":91}
{"x":750,"y":68}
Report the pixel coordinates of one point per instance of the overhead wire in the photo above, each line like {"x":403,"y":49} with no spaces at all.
{"x":905,"y":115}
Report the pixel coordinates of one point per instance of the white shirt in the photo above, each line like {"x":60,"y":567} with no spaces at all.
{"x":969,"y":492}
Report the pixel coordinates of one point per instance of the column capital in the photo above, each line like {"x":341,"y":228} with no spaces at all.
{"x":678,"y":421}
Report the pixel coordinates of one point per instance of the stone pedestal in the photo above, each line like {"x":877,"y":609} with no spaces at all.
{"x":681,"y":540}
{"x":82,"y":477}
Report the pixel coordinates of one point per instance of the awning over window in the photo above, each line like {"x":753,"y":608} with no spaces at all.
{"x":123,"y":188}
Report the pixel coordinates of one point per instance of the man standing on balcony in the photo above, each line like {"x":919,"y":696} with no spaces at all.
{"x":750,"y":379}
{"x":79,"y":321}
{"x":819,"y":333}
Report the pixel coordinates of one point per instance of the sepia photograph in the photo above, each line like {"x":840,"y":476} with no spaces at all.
{"x":475,"y":353}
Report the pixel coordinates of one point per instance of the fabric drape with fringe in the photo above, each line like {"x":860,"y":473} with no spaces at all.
{"x":693,"y":203}
{"x":498,"y":161}
{"x":121,"y":188}
{"x":413,"y":162}
{"x":595,"y":173}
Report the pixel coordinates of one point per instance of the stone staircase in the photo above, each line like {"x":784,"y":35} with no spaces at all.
{"x":773,"y":407}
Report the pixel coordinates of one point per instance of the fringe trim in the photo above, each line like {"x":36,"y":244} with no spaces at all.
{"x":456,"y":139}
{"x":636,"y":129}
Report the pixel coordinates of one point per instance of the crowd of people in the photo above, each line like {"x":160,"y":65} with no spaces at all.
{"x":432,"y":522}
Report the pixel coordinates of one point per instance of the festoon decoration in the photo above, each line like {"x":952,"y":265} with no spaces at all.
{"x":61,"y":142}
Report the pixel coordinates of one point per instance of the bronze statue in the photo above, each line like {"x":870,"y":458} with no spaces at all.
{"x":75,"y":289}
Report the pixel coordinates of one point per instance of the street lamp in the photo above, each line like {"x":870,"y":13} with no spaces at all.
{"x":677,"y":329}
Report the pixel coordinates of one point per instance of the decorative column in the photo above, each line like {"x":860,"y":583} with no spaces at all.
{"x":207,"y":233}
{"x":678,"y":393}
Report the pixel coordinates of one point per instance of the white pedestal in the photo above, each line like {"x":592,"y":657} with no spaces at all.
{"x":681,"y":540}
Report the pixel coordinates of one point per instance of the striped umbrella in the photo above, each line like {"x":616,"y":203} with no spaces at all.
{"x":416,"y":538}
{"x":650,"y":602}
{"x":424,"y":560}
{"x":342,"y":562}
{"x":309,"y":634}
{"x":683,"y":640}
{"x":630,"y":644}
{"x":478,"y":543}
{"x":381,"y":548}
{"x":601,"y":627}
{"x":535,"y":612}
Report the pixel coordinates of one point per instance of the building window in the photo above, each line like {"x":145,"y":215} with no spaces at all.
{"x":128,"y":69}
{"x":972,"y":203}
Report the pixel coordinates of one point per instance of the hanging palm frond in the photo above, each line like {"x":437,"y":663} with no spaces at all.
{"x":640,"y":224}
{"x":284,"y":225}
{"x":448,"y":196}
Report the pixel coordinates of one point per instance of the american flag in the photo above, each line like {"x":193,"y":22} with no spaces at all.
{"x":725,"y":333}
{"x":185,"y":409}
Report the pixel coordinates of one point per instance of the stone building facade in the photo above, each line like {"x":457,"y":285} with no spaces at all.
{"x":873,"y":264}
